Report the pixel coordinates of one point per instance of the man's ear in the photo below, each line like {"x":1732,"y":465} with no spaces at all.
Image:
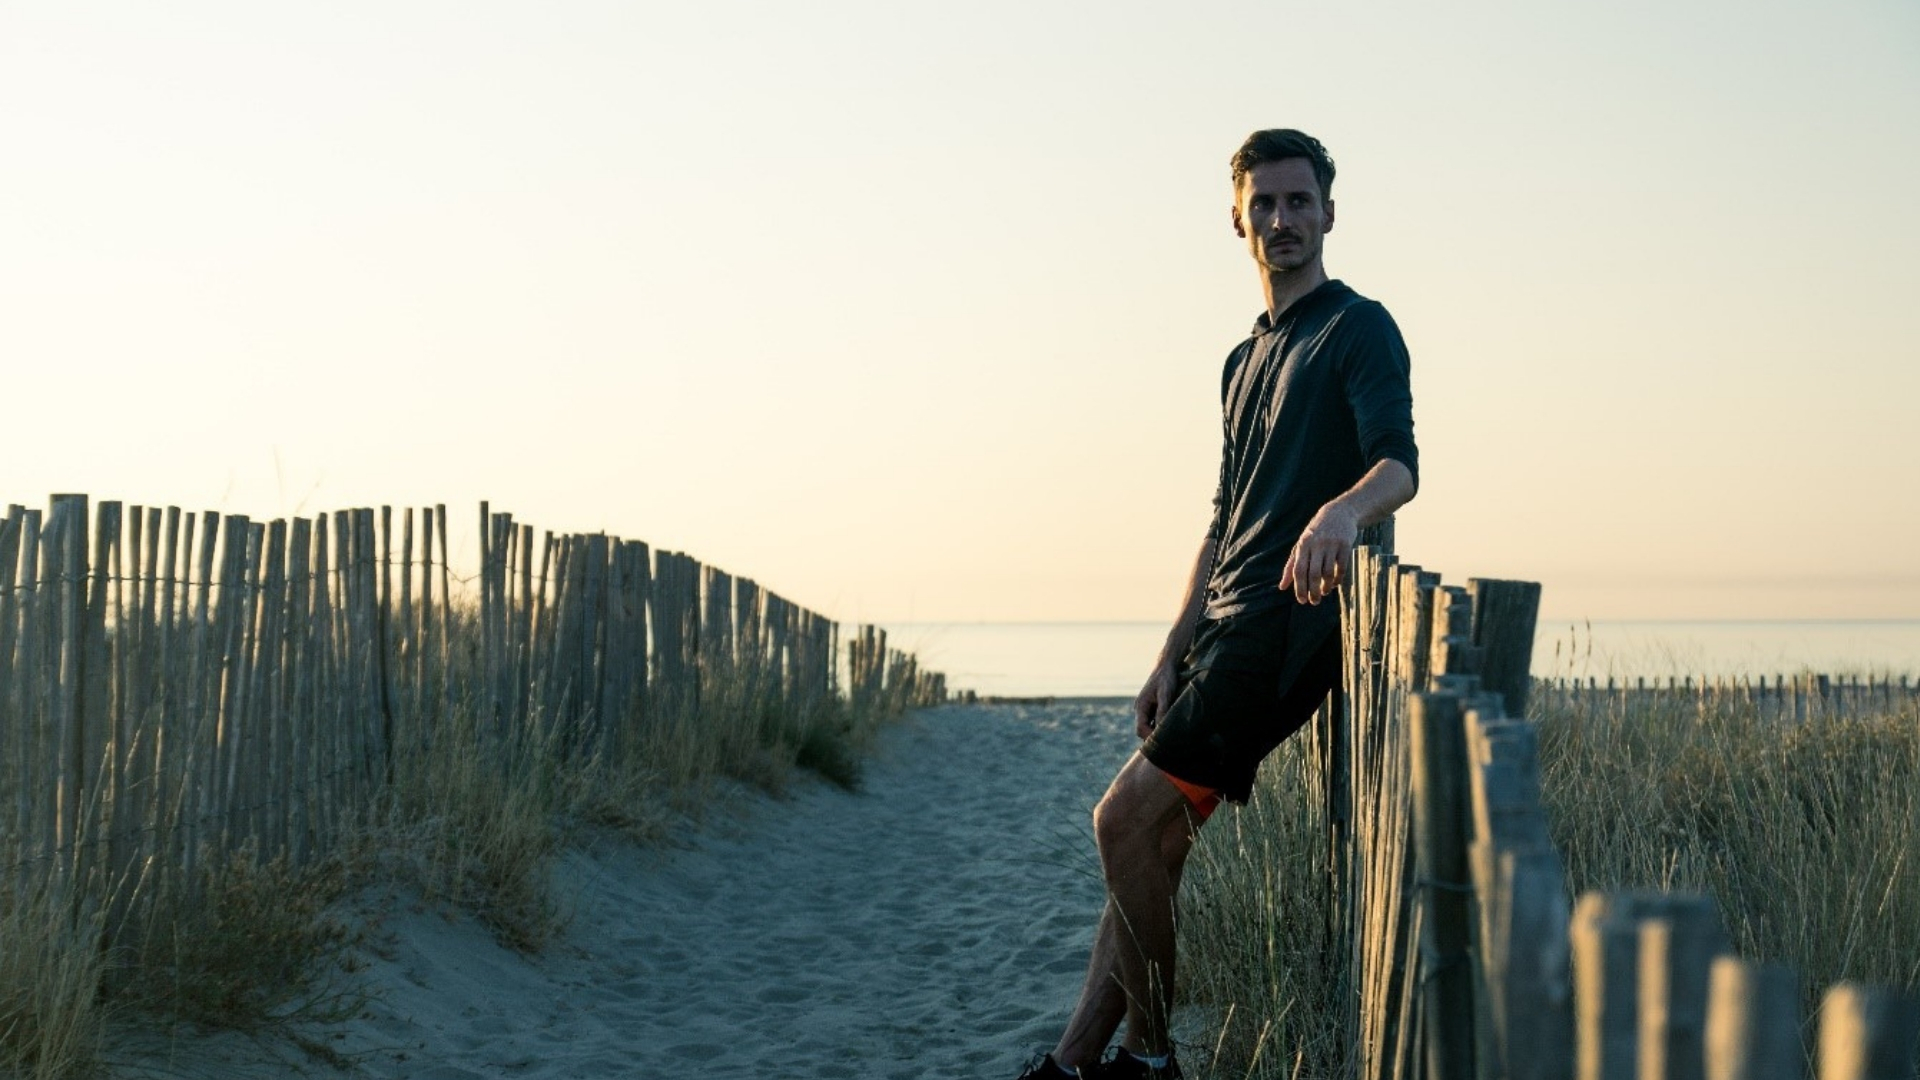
{"x":1329,"y":225}
{"x":1239,"y":229}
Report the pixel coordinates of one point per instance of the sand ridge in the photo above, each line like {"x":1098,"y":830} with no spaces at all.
{"x":933,"y":925}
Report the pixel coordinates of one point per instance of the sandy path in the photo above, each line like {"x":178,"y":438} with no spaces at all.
{"x":932,"y":926}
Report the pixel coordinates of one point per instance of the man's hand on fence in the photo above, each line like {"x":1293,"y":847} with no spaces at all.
{"x":1154,"y":699}
{"x":1323,"y":556}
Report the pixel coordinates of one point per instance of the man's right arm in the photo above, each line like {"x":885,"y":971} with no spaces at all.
{"x":1157,"y":696}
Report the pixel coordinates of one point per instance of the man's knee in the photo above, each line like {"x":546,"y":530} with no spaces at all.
{"x":1136,"y":810}
{"x":1110,"y":824}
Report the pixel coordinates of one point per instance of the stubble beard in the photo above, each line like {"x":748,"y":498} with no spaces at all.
{"x":1284,"y":266}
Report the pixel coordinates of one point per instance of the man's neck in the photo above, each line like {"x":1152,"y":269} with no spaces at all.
{"x":1283,"y":287}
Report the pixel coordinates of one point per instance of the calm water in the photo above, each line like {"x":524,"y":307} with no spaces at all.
{"x":1103,"y":659}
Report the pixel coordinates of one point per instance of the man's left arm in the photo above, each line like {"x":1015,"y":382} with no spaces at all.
{"x":1323,"y":556}
{"x":1374,"y":371}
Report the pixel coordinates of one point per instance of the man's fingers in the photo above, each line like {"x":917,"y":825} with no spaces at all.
{"x":1152,"y":703}
{"x":1316,"y":566}
{"x":1307,"y":589}
{"x":1324,"y":573}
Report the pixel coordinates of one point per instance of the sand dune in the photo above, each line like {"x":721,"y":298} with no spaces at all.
{"x":933,"y":925}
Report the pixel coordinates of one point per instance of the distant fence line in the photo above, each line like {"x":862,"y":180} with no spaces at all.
{"x":1453,"y":900}
{"x":1802,"y":697}
{"x":194,"y":684}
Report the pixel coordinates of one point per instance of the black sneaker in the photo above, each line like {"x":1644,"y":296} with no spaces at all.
{"x":1043,"y":1067}
{"x":1120,"y":1065}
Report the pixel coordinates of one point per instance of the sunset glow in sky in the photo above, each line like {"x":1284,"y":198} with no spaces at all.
{"x":917,"y":311}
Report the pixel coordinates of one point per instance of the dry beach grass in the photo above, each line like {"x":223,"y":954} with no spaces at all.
{"x":1808,"y":837}
{"x":937,"y":920}
{"x":467,"y":821}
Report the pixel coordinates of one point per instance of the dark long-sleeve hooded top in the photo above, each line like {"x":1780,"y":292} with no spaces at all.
{"x":1311,"y":401}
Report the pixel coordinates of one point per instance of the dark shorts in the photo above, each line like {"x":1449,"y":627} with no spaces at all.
{"x":1245,"y":685}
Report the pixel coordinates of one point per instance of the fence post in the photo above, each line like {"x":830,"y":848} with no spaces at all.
{"x":1605,"y":954}
{"x":1439,"y":770}
{"x":1868,"y":1033}
{"x":65,"y":574}
{"x":1676,"y":953}
{"x":1520,"y":893}
{"x":1505,"y":614}
{"x":1753,"y":1022}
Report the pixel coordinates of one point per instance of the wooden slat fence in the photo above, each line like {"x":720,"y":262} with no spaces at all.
{"x":1797,"y":698}
{"x":1465,"y":945}
{"x":175,"y":686}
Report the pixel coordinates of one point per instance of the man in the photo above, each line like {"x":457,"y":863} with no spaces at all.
{"x":1319,"y":444}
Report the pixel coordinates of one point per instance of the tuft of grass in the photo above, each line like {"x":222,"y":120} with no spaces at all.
{"x":247,"y":944}
{"x":745,"y":731}
{"x":476,"y":821}
{"x":1808,"y":835}
{"x":1257,"y":952}
{"x":51,"y":1018}
{"x":831,"y":747}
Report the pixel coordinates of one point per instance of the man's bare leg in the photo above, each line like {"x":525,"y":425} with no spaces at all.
{"x":1102,"y":1004}
{"x":1176,"y":842}
{"x":1124,"y":965}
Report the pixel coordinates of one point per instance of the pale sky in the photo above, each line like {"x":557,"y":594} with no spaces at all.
{"x":917,"y":311}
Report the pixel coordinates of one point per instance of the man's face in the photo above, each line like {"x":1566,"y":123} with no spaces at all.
{"x":1279,"y":211}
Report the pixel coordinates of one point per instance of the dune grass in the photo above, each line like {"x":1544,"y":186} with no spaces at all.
{"x":468,"y":817}
{"x":246,"y":943}
{"x":51,"y":1019}
{"x":1808,"y":836}
{"x":1258,"y":954}
{"x":477,"y":822}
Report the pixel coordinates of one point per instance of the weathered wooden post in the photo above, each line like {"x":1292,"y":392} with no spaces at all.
{"x":1676,"y":953}
{"x":1753,"y":1022}
{"x":1439,"y":775}
{"x":1605,"y":957}
{"x":1505,"y":615}
{"x":66,"y":573}
{"x":1868,"y":1033}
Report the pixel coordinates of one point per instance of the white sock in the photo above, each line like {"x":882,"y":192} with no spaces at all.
{"x":1152,"y":1061}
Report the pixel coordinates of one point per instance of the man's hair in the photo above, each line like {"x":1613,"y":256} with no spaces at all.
{"x":1279,"y":144}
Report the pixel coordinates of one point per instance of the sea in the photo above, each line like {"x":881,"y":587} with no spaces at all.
{"x":1111,"y":659}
